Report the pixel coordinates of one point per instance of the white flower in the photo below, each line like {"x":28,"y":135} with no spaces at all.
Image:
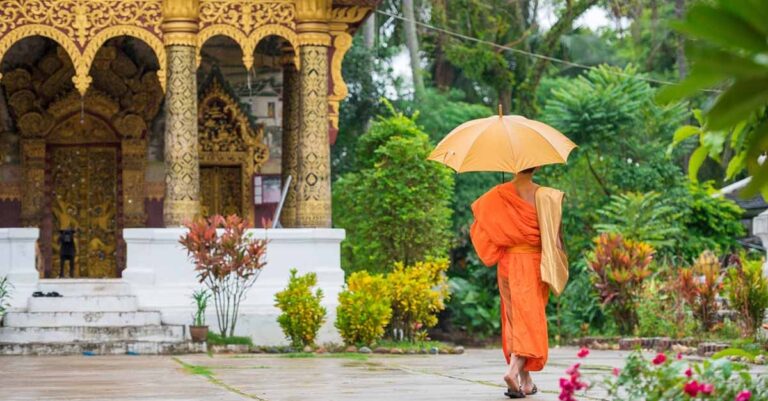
{"x":629,"y":160}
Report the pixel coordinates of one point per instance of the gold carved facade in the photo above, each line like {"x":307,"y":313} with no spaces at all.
{"x":231,"y":150}
{"x":83,"y":158}
{"x":81,"y":27}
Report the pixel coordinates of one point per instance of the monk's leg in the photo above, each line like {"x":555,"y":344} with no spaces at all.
{"x":513,"y":372}
{"x":526,"y":381}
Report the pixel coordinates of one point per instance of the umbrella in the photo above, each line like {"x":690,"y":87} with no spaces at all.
{"x":502,"y":143}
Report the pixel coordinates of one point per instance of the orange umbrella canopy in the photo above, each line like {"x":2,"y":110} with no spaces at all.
{"x":502,"y":143}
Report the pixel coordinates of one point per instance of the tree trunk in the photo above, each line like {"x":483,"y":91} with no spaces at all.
{"x":412,"y":42}
{"x":369,"y":31}
{"x":443,"y":75}
{"x":682,"y":66}
{"x":505,"y":100}
{"x":525,"y":95}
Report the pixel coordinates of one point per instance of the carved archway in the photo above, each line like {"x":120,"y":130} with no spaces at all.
{"x":227,"y":137}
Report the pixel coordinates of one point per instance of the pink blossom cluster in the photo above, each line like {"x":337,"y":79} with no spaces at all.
{"x":570,"y":385}
{"x":693,"y":388}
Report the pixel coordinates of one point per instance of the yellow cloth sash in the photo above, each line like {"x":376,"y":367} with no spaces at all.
{"x":554,"y":260}
{"x":524,"y":249}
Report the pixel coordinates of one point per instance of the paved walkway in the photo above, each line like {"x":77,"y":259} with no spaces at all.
{"x":476,"y":375}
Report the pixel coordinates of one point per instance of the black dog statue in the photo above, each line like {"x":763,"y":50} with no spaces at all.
{"x":67,"y":251}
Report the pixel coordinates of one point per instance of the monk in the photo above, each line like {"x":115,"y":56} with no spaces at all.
{"x":506,"y":232}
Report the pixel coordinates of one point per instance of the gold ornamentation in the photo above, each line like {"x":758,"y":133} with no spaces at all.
{"x":84,"y":197}
{"x":33,"y":167}
{"x":182,"y":180}
{"x":228,"y":138}
{"x":247,"y":23}
{"x":313,"y":10}
{"x":342,"y":42}
{"x":349,"y":15}
{"x":314,"y":186}
{"x":221,"y":189}
{"x":314,"y":39}
{"x":289,"y":161}
{"x":10,"y":191}
{"x":81,"y":27}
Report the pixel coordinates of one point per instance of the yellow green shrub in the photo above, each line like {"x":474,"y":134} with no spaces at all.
{"x":418,"y":292}
{"x":302,"y":314}
{"x":364,"y":309}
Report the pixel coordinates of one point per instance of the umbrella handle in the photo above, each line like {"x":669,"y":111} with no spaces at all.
{"x":501,"y":112}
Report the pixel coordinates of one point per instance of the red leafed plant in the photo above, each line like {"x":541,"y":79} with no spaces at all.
{"x":619,"y":268}
{"x":227,"y":261}
{"x":699,"y":286}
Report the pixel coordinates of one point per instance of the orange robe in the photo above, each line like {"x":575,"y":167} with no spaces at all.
{"x":506,"y":233}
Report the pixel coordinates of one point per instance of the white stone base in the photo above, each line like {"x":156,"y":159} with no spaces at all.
{"x":17,"y":262}
{"x":163,"y":278}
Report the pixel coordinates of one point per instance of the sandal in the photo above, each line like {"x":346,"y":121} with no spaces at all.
{"x":514,"y":394}
{"x":534,"y":390}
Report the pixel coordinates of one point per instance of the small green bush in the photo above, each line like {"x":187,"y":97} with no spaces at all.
{"x":418,"y":293}
{"x":747,"y":291}
{"x":217,"y":339}
{"x":302,"y":314}
{"x":364,"y":309}
{"x":5,"y":293}
{"x":660,"y":313}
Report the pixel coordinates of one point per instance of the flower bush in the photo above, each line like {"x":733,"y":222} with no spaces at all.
{"x":418,"y":293}
{"x":302,"y":314}
{"x":670,"y":379}
{"x":661,"y":311}
{"x":747,"y":291}
{"x":619,"y":267}
{"x":228,"y":263}
{"x":699,"y":285}
{"x":364,"y":310}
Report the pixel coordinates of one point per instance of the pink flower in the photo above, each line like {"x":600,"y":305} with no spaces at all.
{"x":616,"y":371}
{"x":573,"y":369}
{"x":660,"y":358}
{"x":679,"y":355}
{"x":688,"y":372}
{"x":744,"y":396}
{"x":707,"y":388}
{"x":584,"y":351}
{"x":692,"y":388}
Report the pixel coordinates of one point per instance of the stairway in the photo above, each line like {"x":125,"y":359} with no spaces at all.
{"x":92,"y":317}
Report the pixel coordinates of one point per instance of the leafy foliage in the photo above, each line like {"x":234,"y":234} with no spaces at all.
{"x":619,"y":267}
{"x":395,"y":208}
{"x":303,"y":315}
{"x":727,"y":50}
{"x":418,"y":293}
{"x":640,"y":217}
{"x":364,"y":309}
{"x":747,"y":291}
{"x":201,"y":298}
{"x":660,"y":313}
{"x":578,"y":311}
{"x":228,"y":264}
{"x":699,"y":285}
{"x":475,"y":309}
{"x":5,"y":292}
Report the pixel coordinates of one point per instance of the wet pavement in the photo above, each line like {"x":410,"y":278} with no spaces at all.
{"x":475,"y":375}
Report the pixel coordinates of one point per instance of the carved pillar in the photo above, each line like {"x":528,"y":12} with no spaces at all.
{"x":291,"y":92}
{"x":313,"y":206}
{"x":33,"y":166}
{"x":182,"y":170}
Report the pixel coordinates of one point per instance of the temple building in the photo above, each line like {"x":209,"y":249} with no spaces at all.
{"x":123,"y":119}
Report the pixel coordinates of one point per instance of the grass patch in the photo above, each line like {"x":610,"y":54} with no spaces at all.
{"x":195,"y":369}
{"x":415,"y":346}
{"x":217,"y":339}
{"x":344,"y":355}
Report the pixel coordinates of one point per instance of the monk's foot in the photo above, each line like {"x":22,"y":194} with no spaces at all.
{"x":511,"y":380}
{"x":527,"y":385}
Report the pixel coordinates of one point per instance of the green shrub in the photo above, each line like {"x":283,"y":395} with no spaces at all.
{"x":640,"y":217}
{"x":396,"y":206}
{"x":218,"y":339}
{"x":418,"y":293}
{"x":302,"y":314}
{"x":364,"y":309}
{"x":700,"y":285}
{"x":473,"y":308}
{"x":661,"y":314}
{"x":578,"y":311}
{"x":747,"y":291}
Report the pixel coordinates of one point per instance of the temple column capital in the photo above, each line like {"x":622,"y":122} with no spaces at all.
{"x":180,"y":22}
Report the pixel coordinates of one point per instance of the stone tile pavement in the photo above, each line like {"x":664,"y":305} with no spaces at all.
{"x":476,"y":375}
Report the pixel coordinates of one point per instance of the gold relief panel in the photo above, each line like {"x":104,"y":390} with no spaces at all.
{"x":81,"y":27}
{"x":227,"y":138}
{"x":247,"y":23}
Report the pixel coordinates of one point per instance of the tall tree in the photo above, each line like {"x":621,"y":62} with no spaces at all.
{"x":412,"y":42}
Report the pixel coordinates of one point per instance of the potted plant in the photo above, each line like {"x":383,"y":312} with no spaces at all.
{"x":199,"y":330}
{"x":5,"y":293}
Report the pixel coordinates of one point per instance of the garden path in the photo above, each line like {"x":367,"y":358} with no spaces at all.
{"x":476,"y":375}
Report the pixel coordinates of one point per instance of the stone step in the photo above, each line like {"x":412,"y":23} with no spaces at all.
{"x":75,"y":287}
{"x":154,"y":333}
{"x":103,"y":348}
{"x":86,"y":319}
{"x":84,"y":303}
